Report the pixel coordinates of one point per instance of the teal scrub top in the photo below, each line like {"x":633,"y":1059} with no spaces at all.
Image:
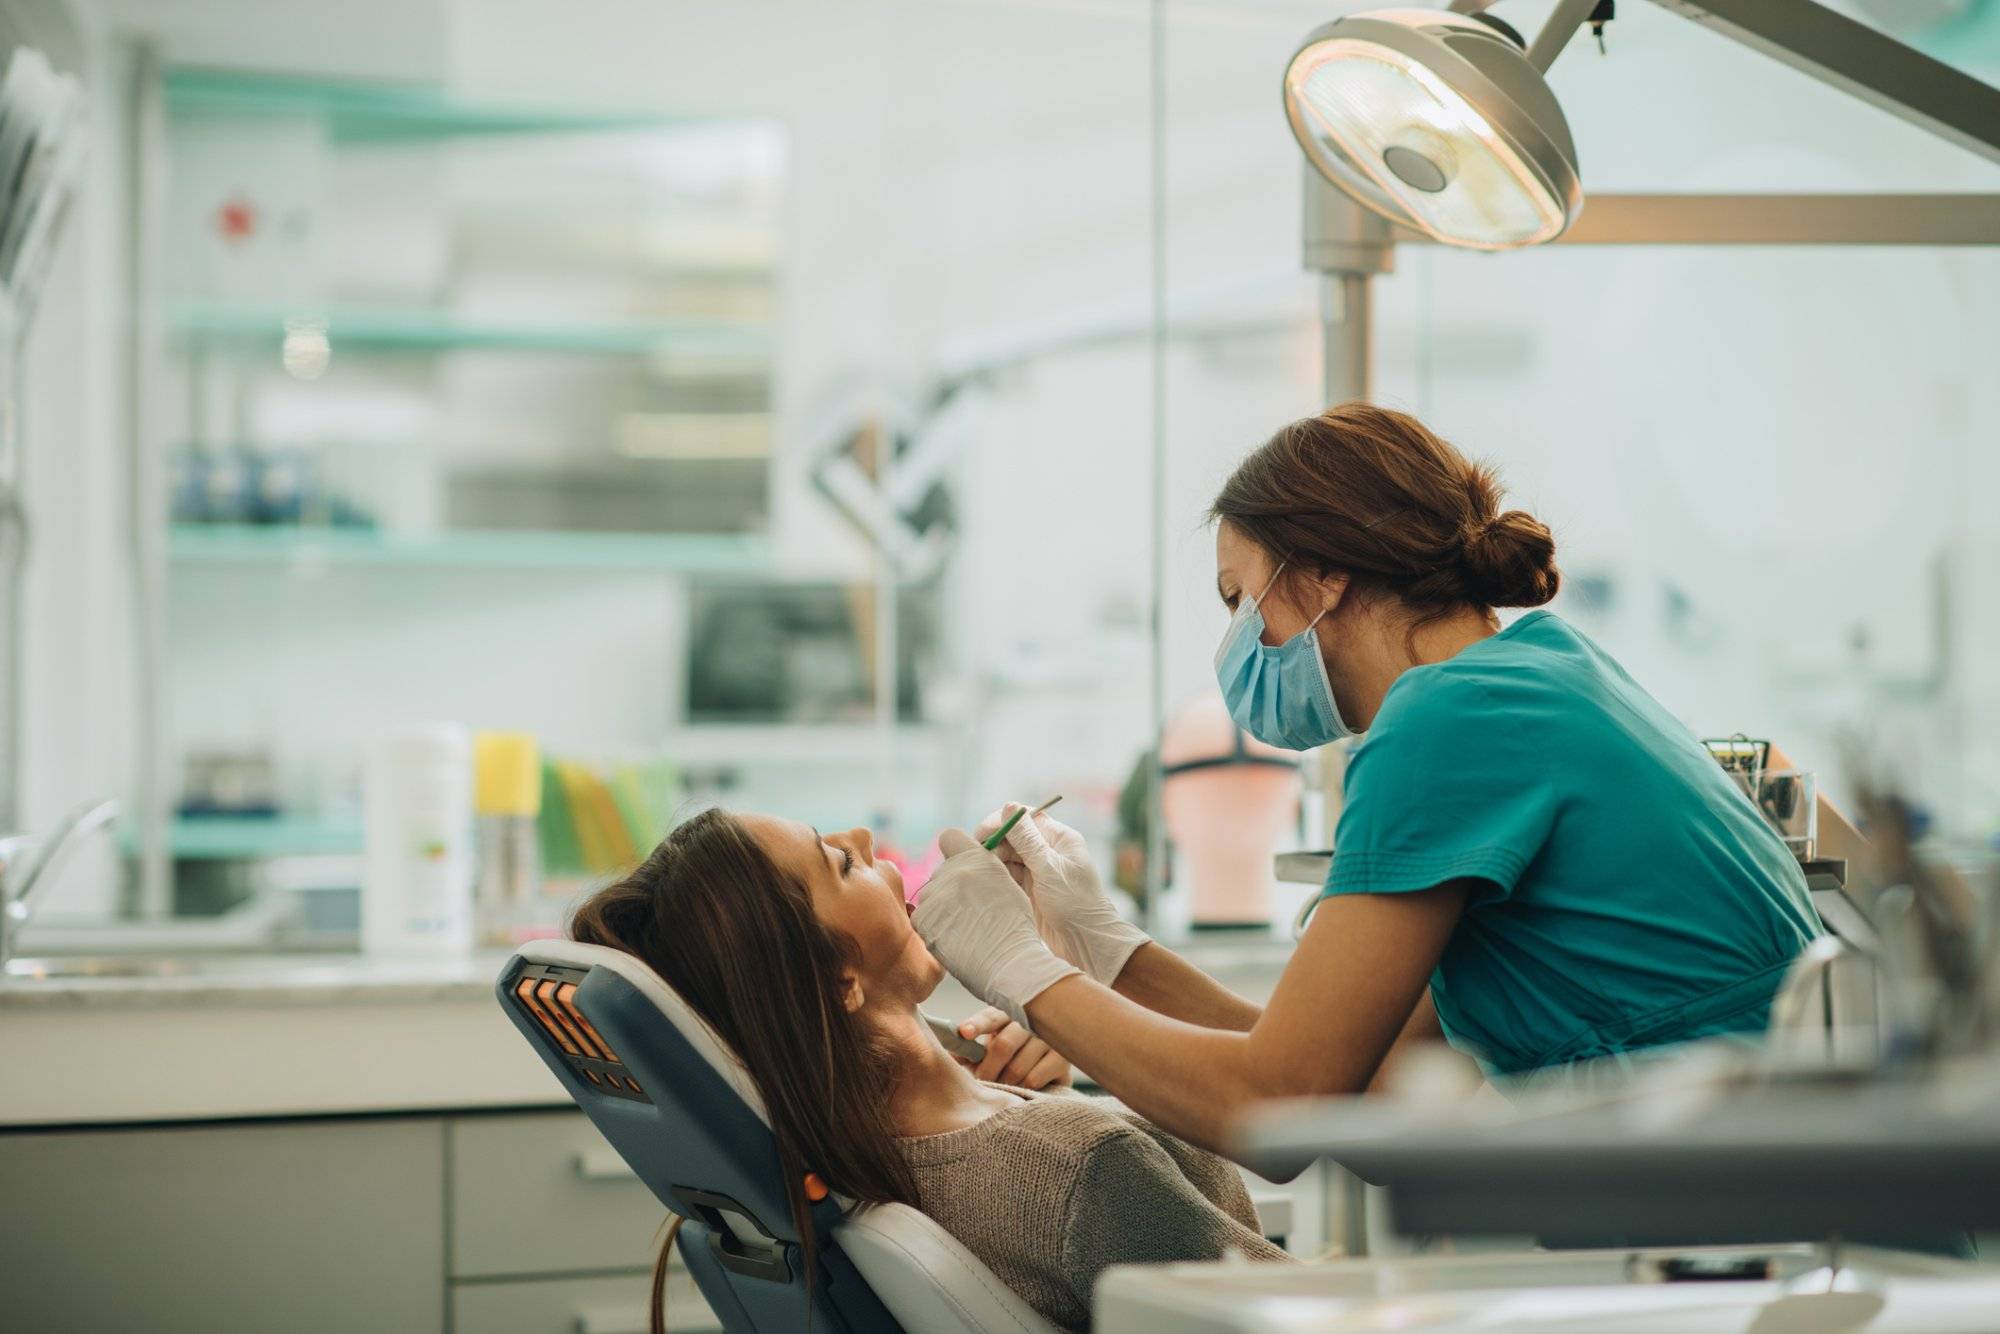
{"x":1626,"y":893}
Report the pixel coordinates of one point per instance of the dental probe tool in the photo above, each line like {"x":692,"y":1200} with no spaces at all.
{"x":954,"y":1042}
{"x":999,"y":836}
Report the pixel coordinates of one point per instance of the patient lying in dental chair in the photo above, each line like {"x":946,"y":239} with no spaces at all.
{"x":797,"y":949}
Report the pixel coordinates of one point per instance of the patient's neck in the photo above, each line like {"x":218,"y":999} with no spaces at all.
{"x":932,"y":1093}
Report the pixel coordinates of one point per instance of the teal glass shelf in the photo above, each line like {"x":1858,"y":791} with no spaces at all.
{"x":259,"y":838}
{"x":430,"y":330}
{"x":359,"y":112}
{"x":722,"y":553}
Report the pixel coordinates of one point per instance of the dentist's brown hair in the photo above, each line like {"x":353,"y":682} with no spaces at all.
{"x":1376,"y":495}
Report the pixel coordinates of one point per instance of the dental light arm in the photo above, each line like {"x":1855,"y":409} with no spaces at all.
{"x":1829,"y":46}
{"x":1562,"y":24}
{"x":1860,"y":61}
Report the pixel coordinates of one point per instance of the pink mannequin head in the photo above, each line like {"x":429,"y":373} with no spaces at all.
{"x":1228,"y":800}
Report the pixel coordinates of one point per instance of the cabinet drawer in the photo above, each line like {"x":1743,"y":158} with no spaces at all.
{"x":577,"y":1306}
{"x":542,"y":1193}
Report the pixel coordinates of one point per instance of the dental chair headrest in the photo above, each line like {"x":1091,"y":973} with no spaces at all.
{"x":706,"y":1042}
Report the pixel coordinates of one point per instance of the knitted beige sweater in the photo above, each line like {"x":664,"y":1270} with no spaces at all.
{"x":1050,"y":1192}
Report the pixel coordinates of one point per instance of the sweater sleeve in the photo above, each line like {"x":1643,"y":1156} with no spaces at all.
{"x":1218,"y":1179}
{"x":1131,"y":1204}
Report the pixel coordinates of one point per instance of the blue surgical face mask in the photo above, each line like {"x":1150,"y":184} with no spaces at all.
{"x":1279,"y":695}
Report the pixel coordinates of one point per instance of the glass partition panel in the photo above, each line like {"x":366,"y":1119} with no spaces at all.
{"x":1764,"y":469}
{"x":1764,"y":466}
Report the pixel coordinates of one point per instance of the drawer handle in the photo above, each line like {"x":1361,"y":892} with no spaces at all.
{"x":1274,"y":1213}
{"x":632,"y":1320}
{"x":604,"y":1165}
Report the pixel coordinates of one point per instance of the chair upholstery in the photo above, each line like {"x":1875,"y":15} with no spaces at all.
{"x":668,"y":1094}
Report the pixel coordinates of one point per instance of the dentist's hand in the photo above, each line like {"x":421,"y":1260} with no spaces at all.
{"x":979,"y":924}
{"x":1072,"y":911}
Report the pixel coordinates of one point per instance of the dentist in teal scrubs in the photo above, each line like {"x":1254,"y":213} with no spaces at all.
{"x":1534,"y":859}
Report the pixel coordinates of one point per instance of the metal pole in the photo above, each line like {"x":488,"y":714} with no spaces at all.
{"x":144,"y":170}
{"x":1556,"y":32}
{"x":1156,"y":824}
{"x":1347,"y":357}
{"x":1346,"y":366}
{"x":888,"y":637}
{"x":15,"y":536}
{"x":1348,"y":246}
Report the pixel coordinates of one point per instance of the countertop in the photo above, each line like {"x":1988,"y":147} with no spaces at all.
{"x":244,"y":1036}
{"x":262,"y":980}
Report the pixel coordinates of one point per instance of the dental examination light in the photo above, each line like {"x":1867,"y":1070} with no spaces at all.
{"x":1441,"y":122}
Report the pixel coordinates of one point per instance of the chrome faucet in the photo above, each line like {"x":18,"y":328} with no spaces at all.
{"x":26,"y":864}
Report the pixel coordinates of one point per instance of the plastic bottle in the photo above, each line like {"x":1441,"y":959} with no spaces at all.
{"x":507,"y":799}
{"x":417,"y":802}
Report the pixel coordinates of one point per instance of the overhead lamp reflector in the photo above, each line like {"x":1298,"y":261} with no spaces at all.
{"x":1438,"y":122}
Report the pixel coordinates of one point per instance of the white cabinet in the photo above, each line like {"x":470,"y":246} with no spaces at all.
{"x":293,"y":1227}
{"x":542,"y":1193}
{"x":452,"y":1224}
{"x":552,"y":1234}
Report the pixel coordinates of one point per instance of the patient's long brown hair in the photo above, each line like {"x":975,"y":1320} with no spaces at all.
{"x":736,"y":936}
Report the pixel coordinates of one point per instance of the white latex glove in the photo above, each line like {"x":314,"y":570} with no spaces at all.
{"x":1072,"y":911}
{"x":979,"y":924}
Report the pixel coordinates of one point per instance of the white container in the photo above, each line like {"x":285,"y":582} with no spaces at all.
{"x":416,"y":896}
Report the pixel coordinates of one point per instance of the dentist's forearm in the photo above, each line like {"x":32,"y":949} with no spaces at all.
{"x":1351,"y":988}
{"x":1167,"y":984}
{"x":1192,"y":1081}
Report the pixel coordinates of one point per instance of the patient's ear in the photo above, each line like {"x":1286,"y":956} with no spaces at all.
{"x":850,"y":990}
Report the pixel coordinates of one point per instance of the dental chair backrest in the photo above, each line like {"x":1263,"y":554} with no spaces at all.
{"x":677,"y":1105}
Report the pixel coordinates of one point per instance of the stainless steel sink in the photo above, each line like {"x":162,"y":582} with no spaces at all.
{"x":86,"y":965}
{"x":63,"y":966}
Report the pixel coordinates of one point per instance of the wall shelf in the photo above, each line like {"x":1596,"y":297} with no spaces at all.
{"x":416,"y":329}
{"x":376,"y":112}
{"x":793,"y":744}
{"x":307,"y":547}
{"x":260,"y":838}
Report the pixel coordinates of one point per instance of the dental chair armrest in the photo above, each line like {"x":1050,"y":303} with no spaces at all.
{"x":927,"y":1279}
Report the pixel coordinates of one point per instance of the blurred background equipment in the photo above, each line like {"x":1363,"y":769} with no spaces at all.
{"x":803,"y":653}
{"x":1231,"y":804}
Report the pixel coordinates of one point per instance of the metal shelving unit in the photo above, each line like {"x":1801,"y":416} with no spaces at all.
{"x":242,"y":324}
{"x":418,"y":330}
{"x":303,"y":547}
